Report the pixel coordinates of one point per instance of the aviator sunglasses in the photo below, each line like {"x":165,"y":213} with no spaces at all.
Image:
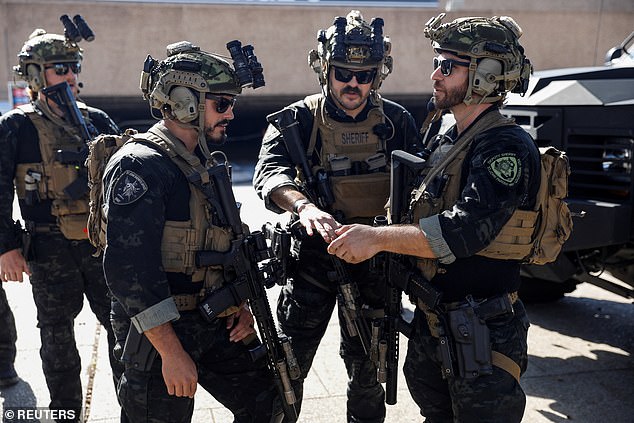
{"x":446,"y":65}
{"x":63,"y":68}
{"x":363,"y":77}
{"x":222,"y":103}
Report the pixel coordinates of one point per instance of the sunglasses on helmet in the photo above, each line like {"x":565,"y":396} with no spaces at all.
{"x":446,"y":65}
{"x":222,"y":103}
{"x":363,"y":77}
{"x":63,"y":68}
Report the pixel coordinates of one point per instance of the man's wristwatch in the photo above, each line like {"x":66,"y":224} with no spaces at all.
{"x":297,"y":204}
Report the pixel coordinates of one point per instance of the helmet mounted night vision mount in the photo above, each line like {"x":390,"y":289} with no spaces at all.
{"x":178,"y":84}
{"x":43,"y":48}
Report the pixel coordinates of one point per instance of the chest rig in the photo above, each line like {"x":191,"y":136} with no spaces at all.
{"x":354,"y":158}
{"x":182,"y":239}
{"x":51,"y":176}
{"x":514,"y":242}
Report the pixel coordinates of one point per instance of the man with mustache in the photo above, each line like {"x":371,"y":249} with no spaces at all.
{"x":348,"y":133}
{"x":34,"y":138}
{"x":467,"y":230}
{"x":158,"y":216}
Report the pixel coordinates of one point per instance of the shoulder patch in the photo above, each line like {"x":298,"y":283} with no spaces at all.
{"x":128,"y":188}
{"x":504,"y":168}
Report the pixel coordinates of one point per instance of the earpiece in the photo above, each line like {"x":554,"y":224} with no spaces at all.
{"x":485,"y":79}
{"x":184,"y":104}
{"x":34,"y":77}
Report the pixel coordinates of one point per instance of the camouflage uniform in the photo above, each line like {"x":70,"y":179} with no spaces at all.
{"x":466,"y":229}
{"x":306,"y":302}
{"x":465,"y":357}
{"x":157,"y":221}
{"x":63,"y":270}
{"x":8,"y":335}
{"x":134,"y":271}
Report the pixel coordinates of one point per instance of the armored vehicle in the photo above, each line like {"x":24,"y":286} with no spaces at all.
{"x":588,"y":113}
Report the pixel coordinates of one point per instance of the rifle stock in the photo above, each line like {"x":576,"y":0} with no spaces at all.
{"x":286,"y":123}
{"x":62,"y":95}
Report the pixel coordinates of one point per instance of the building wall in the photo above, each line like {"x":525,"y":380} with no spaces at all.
{"x":557,"y":33}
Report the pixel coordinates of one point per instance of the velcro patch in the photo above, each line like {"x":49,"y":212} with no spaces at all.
{"x":505,"y":168}
{"x":128,"y":188}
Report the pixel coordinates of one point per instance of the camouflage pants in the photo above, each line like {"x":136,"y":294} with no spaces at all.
{"x":63,"y":272}
{"x":492,"y":398}
{"x":304,"y":311}
{"x":8,"y":333}
{"x":225,"y":370}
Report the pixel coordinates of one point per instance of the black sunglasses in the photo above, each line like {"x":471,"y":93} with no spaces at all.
{"x":222,"y":103}
{"x":63,"y":68}
{"x":363,"y":77}
{"x":446,"y":65}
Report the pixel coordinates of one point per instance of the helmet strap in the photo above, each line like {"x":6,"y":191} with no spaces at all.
{"x":202,"y":141}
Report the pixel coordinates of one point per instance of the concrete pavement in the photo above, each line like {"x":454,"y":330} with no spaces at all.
{"x":580,"y":365}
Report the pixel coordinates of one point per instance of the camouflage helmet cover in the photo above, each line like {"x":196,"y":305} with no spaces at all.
{"x":477,"y":38}
{"x":42,"y":48}
{"x":352,"y":43}
{"x":177,"y":85}
{"x":186,"y":65}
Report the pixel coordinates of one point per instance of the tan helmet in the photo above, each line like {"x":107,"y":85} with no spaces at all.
{"x":497,"y":61}
{"x":42,"y":48}
{"x":352,"y":43}
{"x":177,"y":85}
{"x":181,"y":80}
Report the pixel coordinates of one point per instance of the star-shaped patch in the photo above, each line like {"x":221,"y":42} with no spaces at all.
{"x":504,"y":168}
{"x":128,"y":188}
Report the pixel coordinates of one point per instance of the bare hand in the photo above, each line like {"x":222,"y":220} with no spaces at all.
{"x":313,"y":218}
{"x":244,"y":325}
{"x":355,"y":243}
{"x":178,"y":368}
{"x":180,"y":374}
{"x":12,"y":265}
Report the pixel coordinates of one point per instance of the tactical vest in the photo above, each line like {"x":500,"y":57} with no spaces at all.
{"x":182,"y":239}
{"x":354,"y":157}
{"x":515,"y":240}
{"x":54,"y":134}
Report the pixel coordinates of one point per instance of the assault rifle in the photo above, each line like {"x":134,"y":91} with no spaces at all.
{"x":318,"y":190}
{"x":63,"y":97}
{"x":250,"y":262}
{"x":402,"y":277}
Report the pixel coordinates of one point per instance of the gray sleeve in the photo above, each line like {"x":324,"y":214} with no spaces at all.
{"x":433,"y":232}
{"x":156,"y":315}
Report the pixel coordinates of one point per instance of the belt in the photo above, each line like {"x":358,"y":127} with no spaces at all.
{"x":42,"y":228}
{"x":485,"y":309}
{"x":189,"y":302}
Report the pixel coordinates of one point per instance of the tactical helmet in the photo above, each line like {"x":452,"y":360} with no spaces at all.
{"x":42,"y":48}
{"x":177,"y":85}
{"x":352,"y":43}
{"x":497,"y":61}
{"x":182,"y":79}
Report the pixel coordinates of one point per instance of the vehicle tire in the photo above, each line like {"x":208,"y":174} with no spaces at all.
{"x":533,"y":290}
